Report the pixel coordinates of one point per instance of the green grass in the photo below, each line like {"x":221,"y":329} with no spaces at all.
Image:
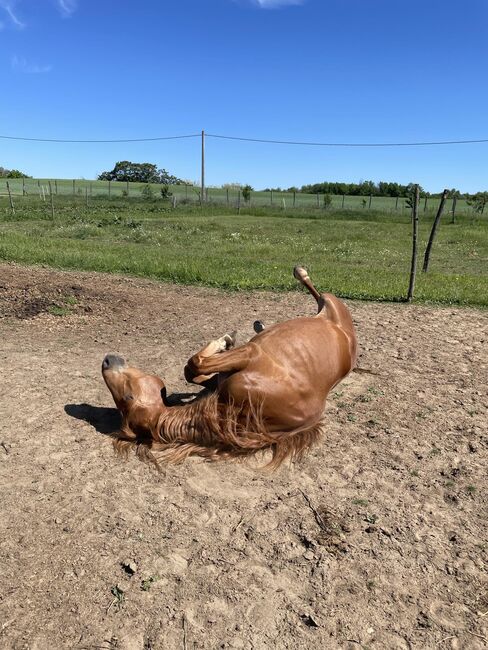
{"x":81,"y":187}
{"x":56,"y":310}
{"x":355,"y":254}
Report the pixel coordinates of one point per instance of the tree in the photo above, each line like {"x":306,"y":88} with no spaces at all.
{"x":12,"y":173}
{"x":147,"y":193}
{"x":410,"y":202}
{"x":232,"y":186}
{"x":127,"y":171}
{"x":478,"y":201}
{"x":168,"y":179}
{"x":410,"y":190}
{"x":246,"y":193}
{"x":367,"y":188}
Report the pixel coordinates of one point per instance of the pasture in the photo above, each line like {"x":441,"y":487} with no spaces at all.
{"x":376,"y":539}
{"x":230,"y":197}
{"x":354,"y":253}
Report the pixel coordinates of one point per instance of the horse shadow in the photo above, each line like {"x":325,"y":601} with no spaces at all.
{"x":105,"y":420}
{"x":108,"y":421}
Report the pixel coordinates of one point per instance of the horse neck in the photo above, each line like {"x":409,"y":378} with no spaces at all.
{"x":197,"y":421}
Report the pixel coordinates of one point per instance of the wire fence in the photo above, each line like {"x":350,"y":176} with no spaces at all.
{"x":232,"y":196}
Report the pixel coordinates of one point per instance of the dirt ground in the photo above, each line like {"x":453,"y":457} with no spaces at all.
{"x":377,"y":539}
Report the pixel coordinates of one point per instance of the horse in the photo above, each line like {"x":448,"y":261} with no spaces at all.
{"x":268,"y":394}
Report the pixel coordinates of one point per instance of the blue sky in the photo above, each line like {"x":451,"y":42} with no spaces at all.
{"x":314,"y":70}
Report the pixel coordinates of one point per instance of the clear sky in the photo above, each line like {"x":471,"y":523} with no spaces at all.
{"x":314,"y":70}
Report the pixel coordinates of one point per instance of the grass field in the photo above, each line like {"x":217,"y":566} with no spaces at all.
{"x":33,"y":187}
{"x":356,"y":254}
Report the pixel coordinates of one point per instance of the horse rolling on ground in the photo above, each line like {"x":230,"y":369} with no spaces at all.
{"x":268,"y":393}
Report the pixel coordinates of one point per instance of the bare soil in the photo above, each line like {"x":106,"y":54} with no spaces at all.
{"x":377,"y":539}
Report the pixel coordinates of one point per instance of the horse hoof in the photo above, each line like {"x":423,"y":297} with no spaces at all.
{"x":230,"y":340}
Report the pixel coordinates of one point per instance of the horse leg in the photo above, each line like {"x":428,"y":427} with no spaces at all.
{"x":215,"y":358}
{"x":302,"y":276}
{"x":328,"y":305}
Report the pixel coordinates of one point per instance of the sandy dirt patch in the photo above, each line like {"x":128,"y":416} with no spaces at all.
{"x":377,"y":539}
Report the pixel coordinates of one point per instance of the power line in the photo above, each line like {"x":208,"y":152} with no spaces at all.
{"x":259,"y":140}
{"x":169,"y":137}
{"x":348,"y":144}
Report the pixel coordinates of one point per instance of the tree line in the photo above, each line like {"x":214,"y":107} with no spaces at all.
{"x":478,"y":200}
{"x":367,"y":188}
{"x":363,"y":188}
{"x":12,"y":173}
{"x":127,"y":171}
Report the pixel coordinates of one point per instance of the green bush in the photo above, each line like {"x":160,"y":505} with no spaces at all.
{"x":147,"y":192}
{"x":246,"y":193}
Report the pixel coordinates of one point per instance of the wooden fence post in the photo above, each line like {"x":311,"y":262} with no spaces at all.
{"x":52,"y":200}
{"x":271,"y":197}
{"x":370,"y":199}
{"x":86,"y":195}
{"x":433,"y":231}
{"x":127,"y":187}
{"x":10,"y":198}
{"x":415,"y":228}
{"x":23,"y":187}
{"x":74,"y":187}
{"x":294,"y":199}
{"x":425,"y":204}
{"x":109,"y":189}
{"x":239,"y":202}
{"x":454,"y":201}
{"x":227,"y":195}
{"x":56,"y":186}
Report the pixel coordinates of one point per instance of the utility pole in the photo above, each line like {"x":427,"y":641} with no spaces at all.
{"x":203,"y":168}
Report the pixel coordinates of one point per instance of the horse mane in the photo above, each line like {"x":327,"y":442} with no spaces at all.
{"x":219,"y":431}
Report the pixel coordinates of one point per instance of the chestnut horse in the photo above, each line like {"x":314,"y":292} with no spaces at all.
{"x":267,"y":394}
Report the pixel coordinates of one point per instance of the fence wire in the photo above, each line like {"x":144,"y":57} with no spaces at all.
{"x":231,"y":196}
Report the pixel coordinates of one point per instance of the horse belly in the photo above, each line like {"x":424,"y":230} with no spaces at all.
{"x":282,"y":404}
